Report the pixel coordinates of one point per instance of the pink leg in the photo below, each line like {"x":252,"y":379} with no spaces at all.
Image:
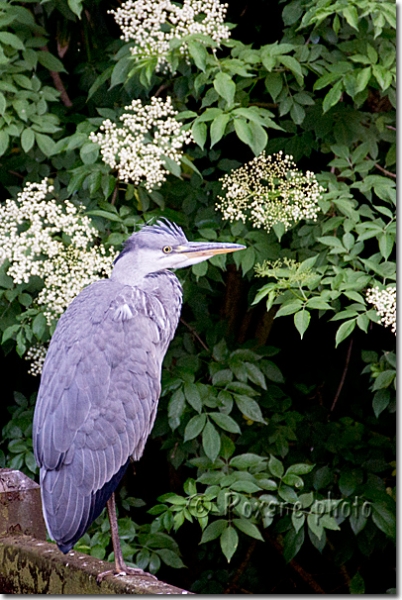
{"x":120,"y":567}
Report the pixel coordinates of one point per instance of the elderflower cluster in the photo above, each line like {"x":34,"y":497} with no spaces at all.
{"x":287,"y":271}
{"x":36,"y":355}
{"x":270,"y":190}
{"x":385,"y":304}
{"x":152,"y":24}
{"x":139,"y":147}
{"x":31,"y":230}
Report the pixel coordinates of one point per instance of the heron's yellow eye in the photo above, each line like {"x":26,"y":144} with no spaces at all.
{"x":167,"y":249}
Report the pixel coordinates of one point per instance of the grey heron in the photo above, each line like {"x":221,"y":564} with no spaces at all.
{"x":101,"y":380}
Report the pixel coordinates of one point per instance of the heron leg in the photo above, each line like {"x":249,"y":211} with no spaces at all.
{"x":120,"y":567}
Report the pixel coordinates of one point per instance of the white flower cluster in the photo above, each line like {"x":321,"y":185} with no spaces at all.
{"x":270,"y":190}
{"x":151,"y":24}
{"x":138,"y":148}
{"x":385,"y":304}
{"x":36,"y":355}
{"x":31,"y":230}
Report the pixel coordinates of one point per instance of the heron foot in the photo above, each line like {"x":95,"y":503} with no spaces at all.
{"x":120,"y":572}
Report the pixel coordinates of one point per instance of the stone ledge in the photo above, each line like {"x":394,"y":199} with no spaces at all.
{"x":32,"y":566}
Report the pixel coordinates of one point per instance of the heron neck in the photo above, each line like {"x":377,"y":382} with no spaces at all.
{"x":129,"y":271}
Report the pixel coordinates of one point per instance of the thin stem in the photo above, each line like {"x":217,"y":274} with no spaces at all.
{"x":380,"y":168}
{"x":345,"y":370}
{"x":115,"y":192}
{"x":58,"y":84}
{"x":241,"y":568}
{"x":195,"y":334}
{"x":161,"y":88}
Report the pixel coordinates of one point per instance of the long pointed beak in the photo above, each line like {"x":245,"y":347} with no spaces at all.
{"x":207,"y":249}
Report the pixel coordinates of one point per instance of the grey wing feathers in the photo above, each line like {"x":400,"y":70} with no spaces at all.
{"x":98,"y":395}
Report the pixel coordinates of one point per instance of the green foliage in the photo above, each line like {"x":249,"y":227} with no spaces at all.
{"x":253,"y":442}
{"x":16,"y":446}
{"x":143,"y":546}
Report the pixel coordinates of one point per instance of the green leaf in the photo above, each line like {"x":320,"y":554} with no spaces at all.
{"x":176,"y":406}
{"x":328,"y":522}
{"x":293,"y":541}
{"x":384,"y":379}
{"x":381,"y":400}
{"x":363,"y":78}
{"x":314,"y":523}
{"x":306,"y":500}
{"x":75,"y":7}
{"x":39,"y":326}
{"x":357,"y":522}
{"x":245,"y":486}
{"x":225,"y":422}
{"x":386,"y":243}
{"x":255,"y":375}
{"x":106,"y":215}
{"x":89,"y":153}
{"x":384,"y":519}
{"x":222,"y":378}
{"x":171,"y":165}
{"x":246,"y":461}
{"x":293,"y":480}
{"x":10,"y":39}
{"x":46,"y":144}
{"x":100,"y":80}
{"x":229,"y":541}
{"x":170,"y":558}
{"x":210,"y":114}
{"x":3,"y":104}
{"x":17,"y":446}
{"x":248,"y":528}
{"x":300,"y":469}
{"x":31,"y":462}
{"x":199,"y":131}
{"x":247,"y":259}
{"x":214,"y":530}
{"x":351,"y":15}
{"x":4,"y":141}
{"x":50,"y":62}
{"x":318,"y":303}
{"x":357,"y":585}
{"x":302,"y":320}
{"x":272,"y":372}
{"x":287,"y":493}
{"x":198,"y":53}
{"x":120,"y":71}
{"x":275,"y":466}
{"x":8,"y":333}
{"x":194,"y":427}
{"x":259,"y":137}
{"x":344,"y":331}
{"x":289,"y":309}
{"x":243,"y":131}
{"x":193,"y":396}
{"x":225,"y":87}
{"x":211,"y":441}
{"x":292,"y":64}
{"x":249,"y":408}
{"x":298,"y":520}
{"x":218,"y":127}
{"x":332,"y":97}
{"x":274,"y":84}
{"x":297,"y":113}
{"x":27,"y":139}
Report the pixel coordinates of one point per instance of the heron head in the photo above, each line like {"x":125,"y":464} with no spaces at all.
{"x":164,"y":246}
